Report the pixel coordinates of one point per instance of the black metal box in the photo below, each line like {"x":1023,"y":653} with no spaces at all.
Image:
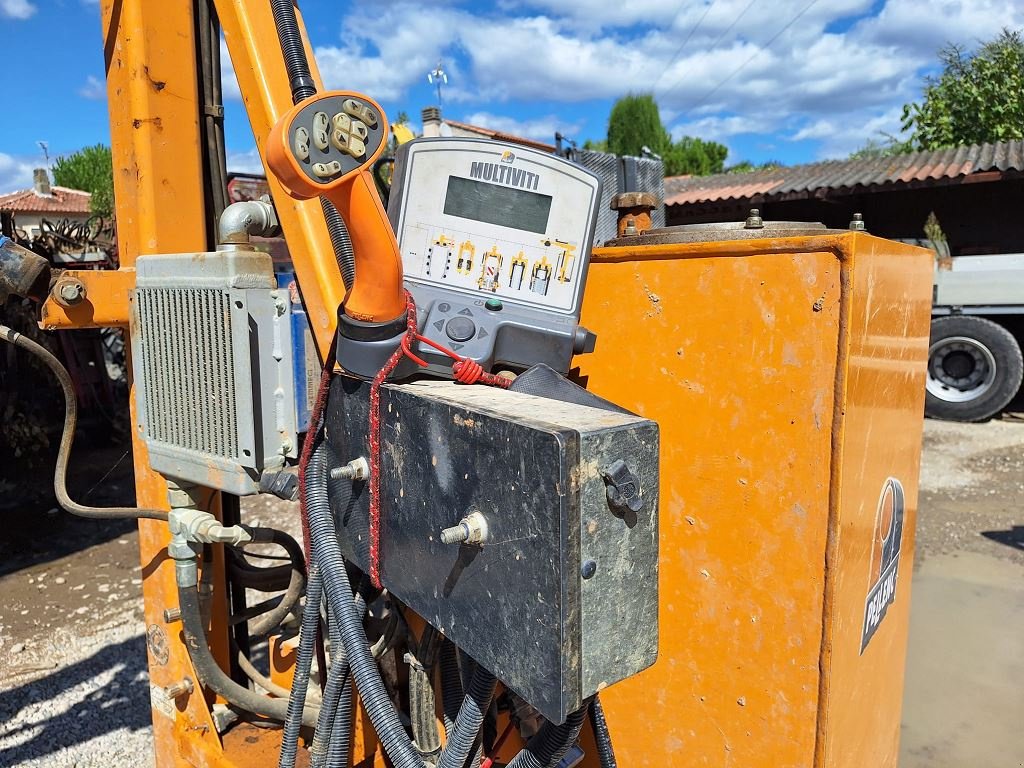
{"x":561,"y":598}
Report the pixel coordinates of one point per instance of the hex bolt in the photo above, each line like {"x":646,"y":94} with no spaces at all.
{"x":69,"y":291}
{"x":172,"y":615}
{"x":181,"y":688}
{"x":357,"y":469}
{"x":857,"y":225}
{"x":754,"y":220}
{"x":472,"y":529}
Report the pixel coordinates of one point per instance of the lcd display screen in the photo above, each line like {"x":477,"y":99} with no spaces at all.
{"x":491,"y":204}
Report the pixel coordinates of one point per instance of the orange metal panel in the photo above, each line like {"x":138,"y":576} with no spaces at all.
{"x":151,"y":88}
{"x":881,"y":437}
{"x":252,"y":42}
{"x":106,"y":301}
{"x":740,"y":350}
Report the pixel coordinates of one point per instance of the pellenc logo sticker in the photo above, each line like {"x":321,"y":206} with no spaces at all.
{"x":885,"y":558}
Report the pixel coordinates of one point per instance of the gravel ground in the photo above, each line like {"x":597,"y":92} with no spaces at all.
{"x":73,"y":684}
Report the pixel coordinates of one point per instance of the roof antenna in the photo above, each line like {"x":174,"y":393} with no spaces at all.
{"x":45,"y":146}
{"x":437,"y":78}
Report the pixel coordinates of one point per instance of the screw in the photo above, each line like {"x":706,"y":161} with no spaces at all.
{"x":172,"y":615}
{"x":456,"y":534}
{"x":589,"y":569}
{"x":630,"y":229}
{"x":181,"y":688}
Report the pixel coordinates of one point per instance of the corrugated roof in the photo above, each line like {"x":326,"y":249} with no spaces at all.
{"x":62,"y":200}
{"x":499,"y":136}
{"x":808,"y":179}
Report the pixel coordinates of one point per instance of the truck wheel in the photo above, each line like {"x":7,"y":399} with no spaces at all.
{"x":974,"y":368}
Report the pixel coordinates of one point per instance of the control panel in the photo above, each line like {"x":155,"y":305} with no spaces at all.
{"x":495,"y":241}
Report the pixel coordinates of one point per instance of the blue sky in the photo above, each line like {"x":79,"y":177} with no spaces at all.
{"x":791,"y":80}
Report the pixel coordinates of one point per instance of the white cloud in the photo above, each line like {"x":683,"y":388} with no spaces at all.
{"x":840,"y":137}
{"x":244,"y":161}
{"x":744,"y":67}
{"x":94,"y":89}
{"x":540,"y":128}
{"x":16,"y":9}
{"x":16,"y":172}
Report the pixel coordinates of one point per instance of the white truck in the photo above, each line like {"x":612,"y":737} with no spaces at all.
{"x":974,"y":356}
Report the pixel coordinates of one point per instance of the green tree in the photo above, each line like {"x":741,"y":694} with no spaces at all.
{"x":634,"y":123}
{"x":90,"y":169}
{"x":979,"y":97}
{"x":694,"y":156}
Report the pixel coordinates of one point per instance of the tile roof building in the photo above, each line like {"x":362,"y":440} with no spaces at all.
{"x":971,"y":189}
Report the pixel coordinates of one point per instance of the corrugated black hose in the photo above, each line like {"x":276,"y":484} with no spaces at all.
{"x":303,"y":661}
{"x":549,"y":746}
{"x":303,"y":86}
{"x":605,"y":752}
{"x":299,"y":78}
{"x":462,"y":738}
{"x":335,"y":724}
{"x":372,"y":691}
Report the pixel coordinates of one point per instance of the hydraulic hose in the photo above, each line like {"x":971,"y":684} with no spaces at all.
{"x":549,"y":746}
{"x":327,"y":552}
{"x":303,"y":86}
{"x":266,"y":623}
{"x":68,"y":436}
{"x":605,"y":752}
{"x":209,"y":672}
{"x":303,"y":661}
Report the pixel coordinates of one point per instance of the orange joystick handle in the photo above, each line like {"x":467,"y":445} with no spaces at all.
{"x":326,"y":145}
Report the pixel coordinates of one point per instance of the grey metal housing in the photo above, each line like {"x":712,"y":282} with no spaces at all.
{"x":212,"y":360}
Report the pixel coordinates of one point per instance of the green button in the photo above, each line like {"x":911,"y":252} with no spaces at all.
{"x":494,"y":305}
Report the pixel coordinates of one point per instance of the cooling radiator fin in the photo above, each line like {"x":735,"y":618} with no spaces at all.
{"x":189,"y":376}
{"x":212,"y":355}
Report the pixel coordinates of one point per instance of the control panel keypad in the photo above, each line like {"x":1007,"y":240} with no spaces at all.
{"x":335,"y":135}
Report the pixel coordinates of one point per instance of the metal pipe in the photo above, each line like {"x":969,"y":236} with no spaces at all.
{"x":240,"y":221}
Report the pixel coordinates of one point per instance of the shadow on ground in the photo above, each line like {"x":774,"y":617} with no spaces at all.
{"x":120,"y":702}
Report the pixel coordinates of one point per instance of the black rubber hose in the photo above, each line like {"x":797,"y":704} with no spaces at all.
{"x":372,"y":691}
{"x":299,"y":78}
{"x":303,"y":661}
{"x":549,"y":746}
{"x":605,"y":752}
{"x":269,"y":621}
{"x":68,"y":436}
{"x":341,"y":242}
{"x":462,"y":738}
{"x":214,"y":678}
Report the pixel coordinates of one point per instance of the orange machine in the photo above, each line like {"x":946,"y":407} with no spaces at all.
{"x":784,"y":367}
